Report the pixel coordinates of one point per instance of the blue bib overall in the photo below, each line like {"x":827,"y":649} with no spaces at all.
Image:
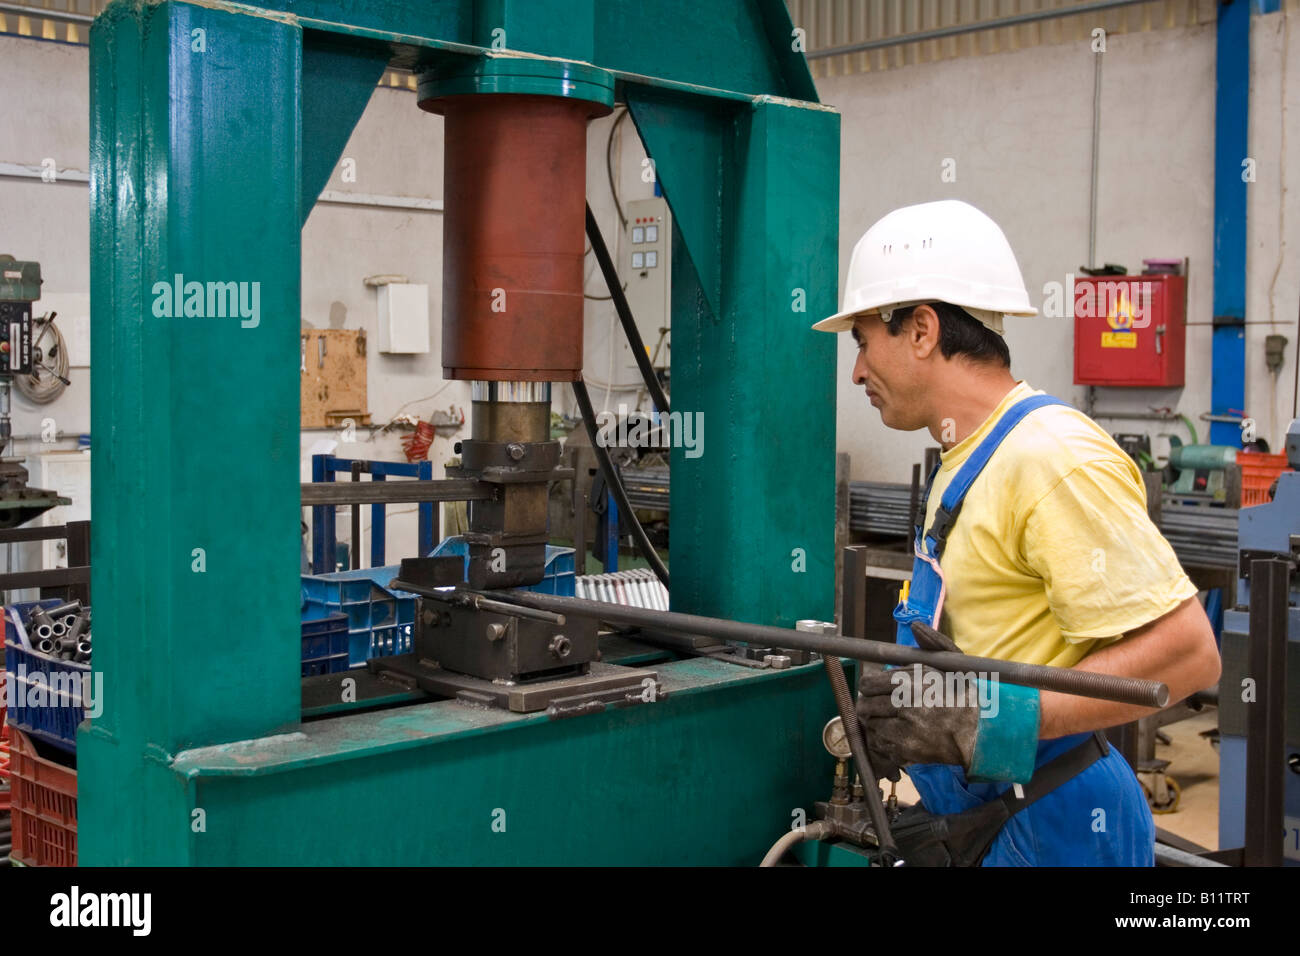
{"x":1099,"y":817}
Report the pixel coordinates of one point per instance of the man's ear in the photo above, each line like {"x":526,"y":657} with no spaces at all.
{"x":924,"y":332}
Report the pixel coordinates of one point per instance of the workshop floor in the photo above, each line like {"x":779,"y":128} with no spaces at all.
{"x":1194,"y":764}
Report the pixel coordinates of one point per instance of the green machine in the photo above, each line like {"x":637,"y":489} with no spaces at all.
{"x":20,"y":286}
{"x":1200,"y":468}
{"x":214,"y":127}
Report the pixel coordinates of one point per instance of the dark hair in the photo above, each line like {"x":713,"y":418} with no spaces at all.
{"x":960,"y":333}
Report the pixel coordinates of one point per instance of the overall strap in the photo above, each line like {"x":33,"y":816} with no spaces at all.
{"x":953,"y":496}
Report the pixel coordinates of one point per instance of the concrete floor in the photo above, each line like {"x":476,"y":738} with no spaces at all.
{"x":1194,"y":765}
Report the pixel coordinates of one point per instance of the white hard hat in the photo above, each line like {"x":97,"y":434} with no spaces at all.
{"x":945,"y":251}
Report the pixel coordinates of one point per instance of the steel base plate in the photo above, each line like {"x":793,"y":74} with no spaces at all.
{"x":603,"y":686}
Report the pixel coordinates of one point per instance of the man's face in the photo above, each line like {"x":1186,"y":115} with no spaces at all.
{"x":888,"y":368}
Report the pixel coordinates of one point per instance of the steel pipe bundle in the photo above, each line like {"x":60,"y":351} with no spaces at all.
{"x":646,"y":487}
{"x":1200,"y":535}
{"x":634,"y":588}
{"x":880,"y":507}
{"x":62,"y":632}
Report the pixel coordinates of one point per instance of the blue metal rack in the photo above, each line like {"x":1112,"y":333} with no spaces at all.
{"x":324,"y":534}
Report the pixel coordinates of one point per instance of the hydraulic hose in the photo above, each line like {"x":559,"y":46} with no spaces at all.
{"x":615,"y":484}
{"x":817,"y":830}
{"x":624,"y":311}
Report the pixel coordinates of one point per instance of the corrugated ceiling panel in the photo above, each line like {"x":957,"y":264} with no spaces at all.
{"x":835,"y":23}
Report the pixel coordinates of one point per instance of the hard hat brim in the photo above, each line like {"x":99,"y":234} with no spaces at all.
{"x":843,"y":321}
{"x":836,"y":323}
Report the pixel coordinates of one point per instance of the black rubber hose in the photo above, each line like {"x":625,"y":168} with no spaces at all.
{"x":625,"y":314}
{"x":615,"y":484}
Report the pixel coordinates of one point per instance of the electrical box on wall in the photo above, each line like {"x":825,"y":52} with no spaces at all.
{"x":1130,"y":330}
{"x":404,"y":318}
{"x":645,"y":265}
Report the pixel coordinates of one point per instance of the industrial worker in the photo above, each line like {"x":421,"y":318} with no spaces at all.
{"x":1036,"y":546}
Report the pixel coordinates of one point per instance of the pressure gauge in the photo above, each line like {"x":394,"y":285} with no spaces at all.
{"x":835,"y":740}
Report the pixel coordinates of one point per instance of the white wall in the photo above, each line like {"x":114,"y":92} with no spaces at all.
{"x":1019,"y":127}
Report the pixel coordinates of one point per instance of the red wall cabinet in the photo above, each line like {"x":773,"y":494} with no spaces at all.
{"x":1130,"y":330}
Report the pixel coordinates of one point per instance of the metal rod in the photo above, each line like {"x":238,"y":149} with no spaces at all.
{"x":853,"y":595}
{"x":1266,"y":717}
{"x":478,"y":602}
{"x":1172,"y":856}
{"x":395,"y":492}
{"x":889,"y":854}
{"x":1124,"y":690}
{"x":959,"y":29}
{"x":356,"y":520}
{"x":1096,"y":150}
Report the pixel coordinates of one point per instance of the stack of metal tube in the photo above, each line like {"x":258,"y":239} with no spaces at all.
{"x":647,"y":488}
{"x":634,"y":588}
{"x":1201,"y":536}
{"x":62,"y":631}
{"x":880,"y":507}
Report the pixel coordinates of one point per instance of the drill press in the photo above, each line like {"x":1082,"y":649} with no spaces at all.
{"x":20,"y":286}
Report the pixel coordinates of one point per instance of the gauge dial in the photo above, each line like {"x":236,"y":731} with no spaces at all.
{"x":835,"y":740}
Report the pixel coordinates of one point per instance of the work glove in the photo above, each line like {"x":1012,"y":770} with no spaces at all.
{"x":901,"y":728}
{"x":920,"y":715}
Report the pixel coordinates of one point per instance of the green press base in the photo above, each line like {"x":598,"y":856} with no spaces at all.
{"x":710,"y":774}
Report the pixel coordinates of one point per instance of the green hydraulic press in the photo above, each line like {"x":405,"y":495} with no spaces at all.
{"x":214,"y":127}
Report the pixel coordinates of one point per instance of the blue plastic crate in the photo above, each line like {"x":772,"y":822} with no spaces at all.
{"x":558,"y":578}
{"x":324,"y":645}
{"x":50,"y":712}
{"x":371,"y":608}
{"x":383,"y":613}
{"x":340,"y":587}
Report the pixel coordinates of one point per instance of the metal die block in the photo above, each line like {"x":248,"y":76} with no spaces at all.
{"x":499,"y":647}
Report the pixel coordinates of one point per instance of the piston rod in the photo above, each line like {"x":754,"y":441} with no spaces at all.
{"x":1123,"y":690}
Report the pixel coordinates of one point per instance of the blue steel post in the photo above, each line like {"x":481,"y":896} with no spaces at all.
{"x":1231,"y":115}
{"x":609,"y":531}
{"x":426,"y":531}
{"x":322,"y":521}
{"x":378,"y":527}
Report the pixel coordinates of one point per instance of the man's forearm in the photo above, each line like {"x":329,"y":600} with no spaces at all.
{"x":1177,"y":649}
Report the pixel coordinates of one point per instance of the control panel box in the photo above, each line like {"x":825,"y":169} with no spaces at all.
{"x":646,"y":268}
{"x":1130,"y":330}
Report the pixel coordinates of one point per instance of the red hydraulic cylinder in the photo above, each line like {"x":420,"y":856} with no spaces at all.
{"x":515,"y":182}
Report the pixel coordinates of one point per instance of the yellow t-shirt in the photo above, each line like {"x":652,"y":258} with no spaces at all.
{"x":1053,"y":554}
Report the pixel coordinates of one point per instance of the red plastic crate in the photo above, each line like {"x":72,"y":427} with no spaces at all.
{"x":1258,"y":472}
{"x":43,"y":806}
{"x":4,"y":762}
